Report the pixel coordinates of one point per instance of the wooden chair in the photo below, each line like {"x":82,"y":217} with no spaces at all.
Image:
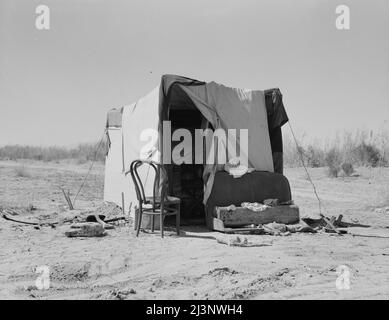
{"x":158,"y":204}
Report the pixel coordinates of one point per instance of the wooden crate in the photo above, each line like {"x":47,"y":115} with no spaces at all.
{"x":227,"y":219}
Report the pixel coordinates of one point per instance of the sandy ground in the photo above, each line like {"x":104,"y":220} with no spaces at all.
{"x":193,"y":265}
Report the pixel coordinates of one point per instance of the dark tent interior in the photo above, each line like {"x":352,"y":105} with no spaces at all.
{"x":185,"y":180}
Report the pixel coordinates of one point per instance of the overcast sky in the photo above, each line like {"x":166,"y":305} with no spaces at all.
{"x":57,"y":85}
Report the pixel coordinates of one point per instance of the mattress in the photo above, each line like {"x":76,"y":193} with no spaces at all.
{"x":256,"y":186}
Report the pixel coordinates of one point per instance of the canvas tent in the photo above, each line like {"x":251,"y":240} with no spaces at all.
{"x":191,"y":104}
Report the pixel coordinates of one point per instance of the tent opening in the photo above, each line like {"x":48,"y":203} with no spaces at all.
{"x":186,"y":180}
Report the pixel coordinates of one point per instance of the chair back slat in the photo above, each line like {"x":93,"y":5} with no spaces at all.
{"x":135,"y":180}
{"x":160,"y":174}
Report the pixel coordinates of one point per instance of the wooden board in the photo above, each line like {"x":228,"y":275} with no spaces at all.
{"x":368,"y":232}
{"x":243,"y":216}
{"x":218,"y":225}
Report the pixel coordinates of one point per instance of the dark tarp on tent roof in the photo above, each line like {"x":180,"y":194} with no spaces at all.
{"x":276,"y":114}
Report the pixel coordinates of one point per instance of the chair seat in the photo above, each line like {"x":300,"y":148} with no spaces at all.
{"x":170,"y":200}
{"x":157,"y":211}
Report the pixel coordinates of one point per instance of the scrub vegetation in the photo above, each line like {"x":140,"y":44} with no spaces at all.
{"x":81,"y":153}
{"x":342,"y":154}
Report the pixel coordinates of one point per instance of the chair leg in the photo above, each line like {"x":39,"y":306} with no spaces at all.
{"x":152,"y":223}
{"x":161,"y":224}
{"x":178,"y":219}
{"x":136,"y":219}
{"x":161,"y":217}
{"x":139,"y":222}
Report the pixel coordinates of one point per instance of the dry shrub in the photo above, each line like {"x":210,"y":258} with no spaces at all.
{"x":315,"y":157}
{"x":367,"y":154}
{"x":22,"y":172}
{"x":81,"y":161}
{"x":333,"y":160}
{"x":333,"y":171}
{"x":347,"y":168}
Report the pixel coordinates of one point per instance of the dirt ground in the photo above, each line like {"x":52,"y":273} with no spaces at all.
{"x":193,"y":265}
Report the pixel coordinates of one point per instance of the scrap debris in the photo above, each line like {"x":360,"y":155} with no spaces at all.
{"x":84,"y":221}
{"x":327,"y":225}
{"x":27,"y":222}
{"x":306,"y":225}
{"x":369,"y":232}
{"x":67,"y":198}
{"x":330,"y":224}
{"x":236,"y":241}
{"x":88,"y":229}
{"x":95,"y":221}
{"x":382,"y":210}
